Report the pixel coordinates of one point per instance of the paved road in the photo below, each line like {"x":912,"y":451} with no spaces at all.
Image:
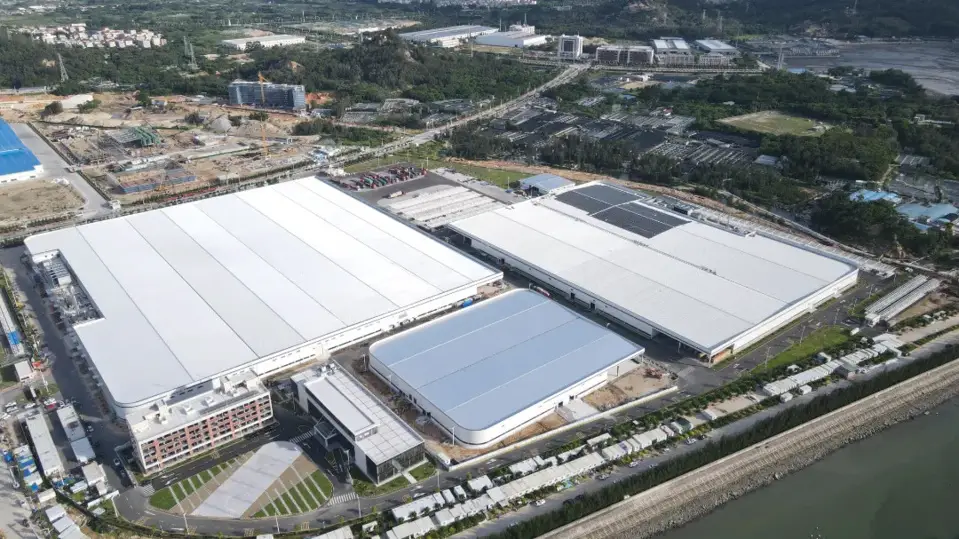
{"x":55,"y":167}
{"x":72,"y":383}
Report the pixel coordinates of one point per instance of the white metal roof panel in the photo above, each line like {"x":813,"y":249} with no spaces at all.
{"x":299,"y":309}
{"x":698,"y":283}
{"x":202,"y":342}
{"x":435,"y":250}
{"x":346,"y":412}
{"x":193,"y":291}
{"x":349,"y":299}
{"x":260,"y":329}
{"x":380,"y":242}
{"x":493,"y":360}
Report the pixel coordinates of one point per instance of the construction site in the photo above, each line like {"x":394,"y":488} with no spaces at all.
{"x":132,"y":154}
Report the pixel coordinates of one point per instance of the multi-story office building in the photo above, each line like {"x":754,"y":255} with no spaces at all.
{"x":382,"y":445}
{"x":569,"y":46}
{"x":196,"y":421}
{"x":280,"y":96}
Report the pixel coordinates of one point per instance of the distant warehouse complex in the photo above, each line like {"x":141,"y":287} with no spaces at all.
{"x":280,"y":96}
{"x":449,"y":37}
{"x":16,"y":161}
{"x":714,"y":290}
{"x":518,"y":36}
{"x":180,"y":311}
{"x":267,"y":42}
{"x":485,"y":372}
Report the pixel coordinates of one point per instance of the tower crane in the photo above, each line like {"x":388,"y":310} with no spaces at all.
{"x":263,"y":81}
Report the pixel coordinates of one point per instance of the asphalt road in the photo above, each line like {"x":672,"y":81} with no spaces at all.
{"x":72,"y":384}
{"x":55,"y":167}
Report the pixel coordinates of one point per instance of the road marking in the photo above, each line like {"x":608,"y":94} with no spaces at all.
{"x":343,"y":498}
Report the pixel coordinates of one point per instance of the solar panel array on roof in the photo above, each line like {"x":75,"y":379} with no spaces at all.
{"x":639,"y":219}
{"x":616,"y":207}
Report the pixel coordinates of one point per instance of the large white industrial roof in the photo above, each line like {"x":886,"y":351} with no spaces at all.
{"x":466,"y":30}
{"x":197,"y":290}
{"x":491,"y":361}
{"x":697,"y":283}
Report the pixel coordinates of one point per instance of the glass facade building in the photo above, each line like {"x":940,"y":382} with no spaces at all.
{"x":280,"y":96}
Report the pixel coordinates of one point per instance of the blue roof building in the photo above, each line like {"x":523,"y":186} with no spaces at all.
{"x":544,"y":183}
{"x":865,"y":195}
{"x":16,"y":161}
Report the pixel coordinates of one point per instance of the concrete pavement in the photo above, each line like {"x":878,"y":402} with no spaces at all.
{"x":55,"y":167}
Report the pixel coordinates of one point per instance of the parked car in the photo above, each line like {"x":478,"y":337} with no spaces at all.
{"x":539,"y":503}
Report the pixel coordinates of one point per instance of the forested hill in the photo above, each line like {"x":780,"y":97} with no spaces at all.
{"x":645,"y":19}
{"x":377,"y":69}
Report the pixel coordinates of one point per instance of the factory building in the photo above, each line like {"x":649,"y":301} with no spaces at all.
{"x":448,"y":37}
{"x":713,"y":59}
{"x":673,"y":51}
{"x":267,"y":42}
{"x":382,"y":445}
{"x":487,"y":371}
{"x":569,"y":47}
{"x":279,"y":96}
{"x":624,"y":54}
{"x":212,"y":295}
{"x":518,"y":36}
{"x":714,"y":46}
{"x":715,"y":290}
{"x":17,"y":162}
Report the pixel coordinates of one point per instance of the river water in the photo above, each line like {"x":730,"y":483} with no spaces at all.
{"x":935,"y":65}
{"x":899,"y":484}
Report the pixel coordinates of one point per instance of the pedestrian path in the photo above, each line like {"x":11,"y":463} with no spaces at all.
{"x":147,"y":489}
{"x":343,"y":498}
{"x":300,"y":437}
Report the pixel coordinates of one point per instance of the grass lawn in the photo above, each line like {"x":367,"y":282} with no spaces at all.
{"x":288,"y":502}
{"x":366,"y":489}
{"x":326,"y":487}
{"x":502,"y":178}
{"x":163,"y":499}
{"x":814,"y":342}
{"x":423,"y":471}
{"x":310,"y":501}
{"x":300,"y":502}
{"x":773,"y":122}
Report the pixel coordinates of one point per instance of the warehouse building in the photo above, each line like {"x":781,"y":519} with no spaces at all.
{"x":383,"y":446}
{"x":624,"y":54}
{"x":212,"y":295}
{"x":714,"y":290}
{"x":268,"y":42}
{"x":17,"y":162}
{"x":715,"y":46}
{"x":257,"y":94}
{"x":569,"y":47}
{"x":518,"y":36}
{"x":451,"y":36}
{"x":487,"y":371}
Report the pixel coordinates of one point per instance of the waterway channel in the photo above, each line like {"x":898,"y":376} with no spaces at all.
{"x":899,"y":484}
